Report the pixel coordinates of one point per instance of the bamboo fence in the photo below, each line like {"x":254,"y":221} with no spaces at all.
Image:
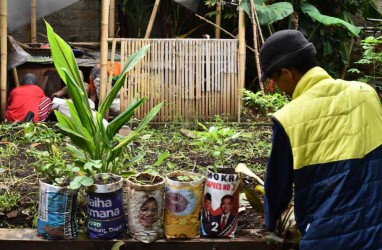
{"x":196,"y":78}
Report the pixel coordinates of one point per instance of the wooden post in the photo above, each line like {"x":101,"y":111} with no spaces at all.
{"x":218,"y":19}
{"x":33,"y":21}
{"x":152,"y":18}
{"x":241,"y":59}
{"x":255,"y":45}
{"x":3,"y":55}
{"x":104,"y":49}
{"x":112,"y":19}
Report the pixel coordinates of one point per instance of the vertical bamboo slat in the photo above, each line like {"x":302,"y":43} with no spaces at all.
{"x":111,"y":66}
{"x":203,"y":52}
{"x":164,"y":82}
{"x":172,"y":56}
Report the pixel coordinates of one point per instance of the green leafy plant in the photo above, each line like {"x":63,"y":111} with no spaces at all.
{"x":371,"y":61}
{"x":52,"y":166}
{"x":264,"y":104}
{"x":91,"y":139}
{"x":213,"y":140}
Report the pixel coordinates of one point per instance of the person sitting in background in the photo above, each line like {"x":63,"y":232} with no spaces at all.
{"x":28,"y":101}
{"x":63,"y":93}
{"x":61,"y":106}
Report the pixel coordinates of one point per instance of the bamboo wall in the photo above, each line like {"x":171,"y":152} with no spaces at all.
{"x":196,"y":78}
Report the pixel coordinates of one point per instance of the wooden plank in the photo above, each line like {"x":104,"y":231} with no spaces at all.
{"x":21,"y":239}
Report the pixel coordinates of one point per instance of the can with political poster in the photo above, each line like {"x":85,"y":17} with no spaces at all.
{"x":220,"y":203}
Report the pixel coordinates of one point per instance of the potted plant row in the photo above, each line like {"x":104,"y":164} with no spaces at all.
{"x":95,"y":166}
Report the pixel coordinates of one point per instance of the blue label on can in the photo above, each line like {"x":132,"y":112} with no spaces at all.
{"x":106,"y":215}
{"x":57,"y":215}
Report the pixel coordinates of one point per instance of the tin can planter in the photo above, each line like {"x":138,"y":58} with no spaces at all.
{"x":145,"y":197}
{"x":183,"y":199}
{"x":57,"y":212}
{"x":220,"y":203}
{"x":106,"y":214}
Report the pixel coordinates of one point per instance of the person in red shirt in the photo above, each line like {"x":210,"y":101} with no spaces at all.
{"x":28,"y":98}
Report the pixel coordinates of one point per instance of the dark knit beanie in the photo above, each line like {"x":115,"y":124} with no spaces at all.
{"x":29,"y":79}
{"x":281,"y":49}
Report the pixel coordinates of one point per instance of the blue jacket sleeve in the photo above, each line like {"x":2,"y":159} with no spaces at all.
{"x":279,"y":177}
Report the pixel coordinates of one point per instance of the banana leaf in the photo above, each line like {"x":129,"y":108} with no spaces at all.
{"x":315,"y":14}
{"x":268,"y":14}
{"x":254,"y":199}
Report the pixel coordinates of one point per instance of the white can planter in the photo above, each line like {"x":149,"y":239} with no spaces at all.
{"x":145,"y":207}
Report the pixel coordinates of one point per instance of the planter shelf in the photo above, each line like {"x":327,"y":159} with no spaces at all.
{"x":21,"y":239}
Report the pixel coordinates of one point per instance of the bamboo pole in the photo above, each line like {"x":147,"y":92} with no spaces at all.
{"x":15,"y":77}
{"x":112,"y":18}
{"x":255,"y":45}
{"x":218,"y":19}
{"x":152,"y":18}
{"x":241,"y":59}
{"x":33,"y":21}
{"x":3,"y":56}
{"x":104,"y":49}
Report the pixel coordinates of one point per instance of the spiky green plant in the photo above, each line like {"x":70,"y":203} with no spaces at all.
{"x":91,"y":140}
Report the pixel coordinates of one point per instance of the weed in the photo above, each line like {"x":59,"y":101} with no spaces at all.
{"x":8,"y":201}
{"x":264,"y":104}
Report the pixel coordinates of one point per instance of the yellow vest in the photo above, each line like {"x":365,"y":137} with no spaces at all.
{"x":331,"y":120}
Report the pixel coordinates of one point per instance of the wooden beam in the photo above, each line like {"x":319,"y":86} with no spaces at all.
{"x":18,"y":239}
{"x":152,"y":18}
{"x":3,"y":57}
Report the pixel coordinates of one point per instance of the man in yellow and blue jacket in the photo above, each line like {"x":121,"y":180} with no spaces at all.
{"x":326,"y":147}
